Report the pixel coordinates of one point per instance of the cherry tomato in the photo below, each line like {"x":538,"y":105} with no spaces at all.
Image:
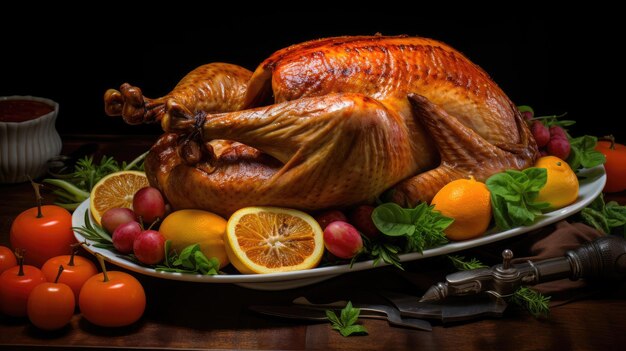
{"x":7,"y":259}
{"x":76,"y":271}
{"x":45,"y":237}
{"x":16,"y":283}
{"x":112,"y":299}
{"x":615,"y":165}
{"x":51,"y":305}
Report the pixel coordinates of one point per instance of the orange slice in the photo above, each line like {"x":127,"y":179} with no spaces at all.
{"x":115,"y":190}
{"x":273,"y":239}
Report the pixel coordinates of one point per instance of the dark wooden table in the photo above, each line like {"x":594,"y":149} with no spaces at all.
{"x":182,"y":315}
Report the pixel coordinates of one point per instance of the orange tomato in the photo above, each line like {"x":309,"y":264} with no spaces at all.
{"x":45,"y":237}
{"x":76,"y":271}
{"x":7,"y":259}
{"x":112,"y":299}
{"x":16,"y":283}
{"x":51,"y":305}
{"x":615,"y":165}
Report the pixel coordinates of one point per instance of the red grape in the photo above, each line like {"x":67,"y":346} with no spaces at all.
{"x":124,"y":236}
{"x":112,"y":218}
{"x":557,"y":131}
{"x":559,"y":147}
{"x":342,"y":239}
{"x":541,"y":133}
{"x":148,"y":203}
{"x":149,"y":247}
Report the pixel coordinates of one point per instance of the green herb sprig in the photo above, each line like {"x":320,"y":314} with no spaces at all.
{"x":346,"y":323}
{"x":190,"y":260}
{"x":75,"y":187}
{"x":422,"y":227}
{"x":513,"y":195}
{"x":95,"y":233}
{"x":462,"y":264}
{"x":534,"y":302}
{"x":385,"y":252}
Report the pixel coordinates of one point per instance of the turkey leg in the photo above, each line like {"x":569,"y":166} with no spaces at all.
{"x":214,"y":87}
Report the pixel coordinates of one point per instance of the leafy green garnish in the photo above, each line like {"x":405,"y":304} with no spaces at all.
{"x":533,"y":301}
{"x":583,"y":153}
{"x":461,"y":264}
{"x":75,"y":187}
{"x":190,"y":260}
{"x":345,"y":324}
{"x":605,"y":217}
{"x":513,"y":195}
{"x":386,"y":252}
{"x":94,"y":232}
{"x":421,"y":226}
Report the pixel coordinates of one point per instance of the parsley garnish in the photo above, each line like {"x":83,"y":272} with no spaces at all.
{"x":345,"y":324}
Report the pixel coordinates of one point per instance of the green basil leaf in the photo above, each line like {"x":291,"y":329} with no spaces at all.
{"x":393,"y":220}
{"x":537,"y":178}
{"x":519,"y":214}
{"x":583,"y":153}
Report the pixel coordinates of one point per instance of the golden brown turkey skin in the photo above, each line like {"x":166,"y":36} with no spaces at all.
{"x":388,"y":69}
{"x":352,"y":117}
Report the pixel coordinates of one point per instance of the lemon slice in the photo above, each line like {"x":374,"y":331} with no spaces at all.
{"x":273,"y":239}
{"x":115,"y":190}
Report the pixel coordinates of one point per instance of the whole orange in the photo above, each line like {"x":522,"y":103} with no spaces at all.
{"x":188,"y":227}
{"x":468,"y":202}
{"x":561,"y":188}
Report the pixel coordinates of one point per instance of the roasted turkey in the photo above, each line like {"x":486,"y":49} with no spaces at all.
{"x":328,"y":123}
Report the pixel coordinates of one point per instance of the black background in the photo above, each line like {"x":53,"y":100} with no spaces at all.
{"x":554,"y":63}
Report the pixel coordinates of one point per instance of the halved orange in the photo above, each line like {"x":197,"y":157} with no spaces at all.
{"x":115,"y":190}
{"x":273,"y":239}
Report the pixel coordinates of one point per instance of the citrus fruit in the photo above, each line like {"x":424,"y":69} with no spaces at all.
{"x":273,"y":239}
{"x":561,"y":188}
{"x":468,"y":202}
{"x":115,"y":190}
{"x":188,"y":227}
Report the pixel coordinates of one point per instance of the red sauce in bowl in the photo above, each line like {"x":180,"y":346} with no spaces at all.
{"x":22,"y":110}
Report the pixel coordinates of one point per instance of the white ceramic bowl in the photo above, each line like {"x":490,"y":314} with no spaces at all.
{"x":26,"y":147}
